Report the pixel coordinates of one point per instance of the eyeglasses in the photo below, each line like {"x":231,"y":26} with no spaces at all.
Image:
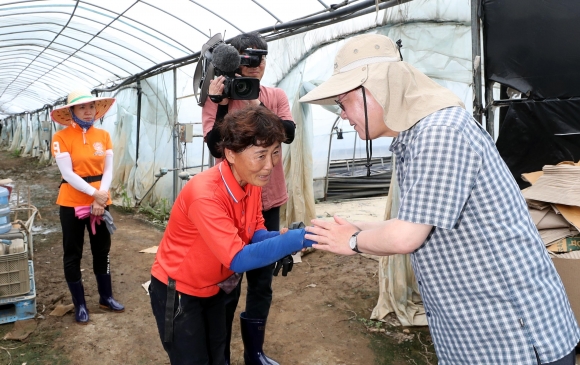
{"x":339,"y":105}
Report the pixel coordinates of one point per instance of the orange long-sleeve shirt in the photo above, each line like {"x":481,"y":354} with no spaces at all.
{"x":212,"y":219}
{"x":87,"y":153}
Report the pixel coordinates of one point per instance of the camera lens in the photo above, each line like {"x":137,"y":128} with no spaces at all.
{"x":243,"y":88}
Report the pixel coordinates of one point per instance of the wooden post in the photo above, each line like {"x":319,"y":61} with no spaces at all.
{"x":28,"y":200}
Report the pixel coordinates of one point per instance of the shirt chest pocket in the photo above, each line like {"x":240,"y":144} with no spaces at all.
{"x":247,"y":231}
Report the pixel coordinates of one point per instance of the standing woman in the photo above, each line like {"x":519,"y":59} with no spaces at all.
{"x":84,"y":156}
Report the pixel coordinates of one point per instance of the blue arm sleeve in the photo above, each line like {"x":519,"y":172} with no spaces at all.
{"x":268,"y":251}
{"x":263,"y":234}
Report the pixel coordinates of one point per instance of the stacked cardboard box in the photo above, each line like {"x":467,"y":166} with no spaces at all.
{"x":554,"y":203}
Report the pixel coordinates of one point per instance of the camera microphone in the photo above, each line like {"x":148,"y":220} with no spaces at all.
{"x":226,"y":58}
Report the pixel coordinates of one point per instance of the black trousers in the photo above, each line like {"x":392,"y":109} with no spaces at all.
{"x":199,"y":326}
{"x":259,"y":295}
{"x":73,"y":235}
{"x":569,"y":359}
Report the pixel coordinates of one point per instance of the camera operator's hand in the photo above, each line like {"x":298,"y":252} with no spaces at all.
{"x":216,"y":87}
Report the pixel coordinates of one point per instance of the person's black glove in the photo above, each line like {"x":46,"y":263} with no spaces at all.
{"x":285,"y":263}
{"x":296,"y":225}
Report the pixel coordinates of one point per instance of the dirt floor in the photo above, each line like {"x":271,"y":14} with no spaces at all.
{"x":319,"y":314}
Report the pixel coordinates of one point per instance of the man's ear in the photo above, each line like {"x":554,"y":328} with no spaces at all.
{"x":229,"y":155}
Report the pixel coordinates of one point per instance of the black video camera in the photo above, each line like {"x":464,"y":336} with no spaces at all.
{"x":220,"y":59}
{"x":227,"y":64}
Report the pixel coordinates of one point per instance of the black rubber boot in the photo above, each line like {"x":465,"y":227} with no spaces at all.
{"x":106,"y":300}
{"x":78,"y":297}
{"x":253,"y":334}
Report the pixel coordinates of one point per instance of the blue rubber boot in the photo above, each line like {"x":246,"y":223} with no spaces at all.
{"x":78,"y":297}
{"x":106,"y":300}
{"x":253,"y":334}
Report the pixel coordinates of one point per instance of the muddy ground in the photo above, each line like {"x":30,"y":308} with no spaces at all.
{"x":319,"y":314}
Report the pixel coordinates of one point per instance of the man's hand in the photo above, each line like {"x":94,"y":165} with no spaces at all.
{"x":101,"y":197}
{"x":332,"y":236}
{"x":286,"y":263}
{"x":97,"y":209}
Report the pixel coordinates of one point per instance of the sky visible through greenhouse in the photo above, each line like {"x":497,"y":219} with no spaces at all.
{"x":49,"y":45}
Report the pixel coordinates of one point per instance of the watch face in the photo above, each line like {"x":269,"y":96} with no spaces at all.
{"x":352,"y":242}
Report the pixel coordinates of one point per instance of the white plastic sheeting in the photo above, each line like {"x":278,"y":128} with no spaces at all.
{"x":435,"y":36}
{"x":398,"y":289}
{"x":298,"y":168}
{"x":135,"y":166}
{"x":98,"y":47}
{"x":50,"y":45}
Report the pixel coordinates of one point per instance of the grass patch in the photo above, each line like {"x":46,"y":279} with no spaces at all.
{"x":389,"y":352}
{"x":36,"y":349}
{"x":159,"y":214}
{"x":399,"y":345}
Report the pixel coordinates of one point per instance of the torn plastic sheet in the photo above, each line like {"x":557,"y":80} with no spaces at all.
{"x":528,"y":46}
{"x":535,"y":134}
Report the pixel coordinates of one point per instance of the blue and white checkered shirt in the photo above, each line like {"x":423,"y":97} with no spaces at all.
{"x":490,"y":290}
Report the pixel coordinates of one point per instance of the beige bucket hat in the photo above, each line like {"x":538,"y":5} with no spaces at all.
{"x":373,"y":61}
{"x":62,"y":115}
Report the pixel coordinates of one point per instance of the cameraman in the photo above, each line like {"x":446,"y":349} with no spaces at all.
{"x":274,"y":194}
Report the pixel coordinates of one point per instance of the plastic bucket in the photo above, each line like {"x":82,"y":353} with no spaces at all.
{"x":5,"y":225}
{"x":4,"y":194}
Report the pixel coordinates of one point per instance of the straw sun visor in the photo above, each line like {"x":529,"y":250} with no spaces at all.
{"x":62,"y":115}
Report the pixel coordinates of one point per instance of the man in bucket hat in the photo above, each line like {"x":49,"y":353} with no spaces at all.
{"x":490,"y":291}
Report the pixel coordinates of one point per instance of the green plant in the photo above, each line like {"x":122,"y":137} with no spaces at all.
{"x":126,"y":202}
{"x":369,"y":323}
{"x":16,"y":153}
{"x":159,"y":214}
{"x":164,"y":208}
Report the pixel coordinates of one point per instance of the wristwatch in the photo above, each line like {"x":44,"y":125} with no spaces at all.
{"x":352,"y":242}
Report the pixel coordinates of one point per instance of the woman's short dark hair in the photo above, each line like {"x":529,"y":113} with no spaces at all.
{"x":251,"y":126}
{"x":244,"y":41}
